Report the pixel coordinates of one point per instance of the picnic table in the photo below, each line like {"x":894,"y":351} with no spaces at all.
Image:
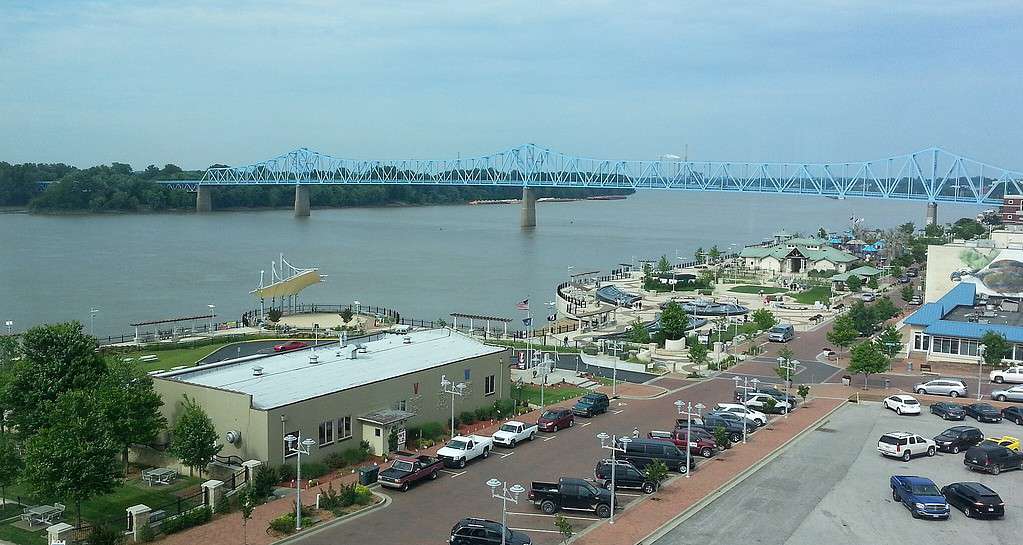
{"x":159,"y":475}
{"x":42,"y":514}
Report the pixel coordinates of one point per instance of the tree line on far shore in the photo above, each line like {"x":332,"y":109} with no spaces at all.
{"x":117,"y":188}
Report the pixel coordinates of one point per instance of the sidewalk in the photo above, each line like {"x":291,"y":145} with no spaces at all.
{"x":711,"y":478}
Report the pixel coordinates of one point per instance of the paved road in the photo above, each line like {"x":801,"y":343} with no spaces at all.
{"x":250,"y":348}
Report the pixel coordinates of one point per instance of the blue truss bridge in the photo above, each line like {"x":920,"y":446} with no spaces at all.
{"x":932,"y":175}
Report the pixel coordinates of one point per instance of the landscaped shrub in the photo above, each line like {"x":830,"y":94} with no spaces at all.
{"x":187,"y":520}
{"x":428,"y":430}
{"x":353,"y":456}
{"x":285,"y":473}
{"x":335,"y":460}
{"x":285,"y":524}
{"x":483,"y":413}
{"x":504,"y":407}
{"x":263,"y":483}
{"x":312,"y":470}
{"x":222,"y":505}
{"x":146,"y":534}
{"x":467,"y":417}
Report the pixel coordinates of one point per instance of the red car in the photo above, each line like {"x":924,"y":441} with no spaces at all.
{"x":555,"y":419}
{"x":293,"y":345}
{"x":702,"y":443}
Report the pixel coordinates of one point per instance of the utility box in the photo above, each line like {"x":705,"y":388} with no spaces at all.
{"x":368,"y":475}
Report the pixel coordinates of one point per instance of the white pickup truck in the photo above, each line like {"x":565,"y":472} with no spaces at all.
{"x":461,"y":449}
{"x":512,"y":433}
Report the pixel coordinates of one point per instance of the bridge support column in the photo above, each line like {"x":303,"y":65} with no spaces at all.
{"x":932,"y":214}
{"x":528,"y":207}
{"x":301,"y":201}
{"x":204,"y":199}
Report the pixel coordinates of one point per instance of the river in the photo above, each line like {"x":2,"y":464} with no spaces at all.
{"x":423,"y":261}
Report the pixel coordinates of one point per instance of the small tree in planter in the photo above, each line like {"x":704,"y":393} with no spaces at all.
{"x":656,"y":471}
{"x":721,"y":437}
{"x":771,"y":405}
{"x":564,"y":527}
{"x":803,"y":392}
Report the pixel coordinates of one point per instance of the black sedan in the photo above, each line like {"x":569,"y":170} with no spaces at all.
{"x":974,"y":499}
{"x":948,"y":411}
{"x":1013,"y":414}
{"x":983,"y":412}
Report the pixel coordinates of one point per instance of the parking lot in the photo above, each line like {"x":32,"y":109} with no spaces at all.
{"x":834,"y":483}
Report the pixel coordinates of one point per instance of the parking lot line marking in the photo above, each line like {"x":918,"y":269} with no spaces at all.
{"x":584,"y":425}
{"x":550,"y":516}
{"x":505,"y":455}
{"x":535,"y":530}
{"x":549,"y":438}
{"x":629,"y":495}
{"x":453,"y":473}
{"x":619,"y":411}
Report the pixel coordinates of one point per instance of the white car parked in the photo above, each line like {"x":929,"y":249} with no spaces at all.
{"x":902,"y":404}
{"x":1012,"y":374}
{"x":900,"y":444}
{"x":751,"y":415}
{"x":512,"y":432}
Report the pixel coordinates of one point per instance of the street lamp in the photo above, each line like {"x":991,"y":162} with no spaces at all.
{"x":789,"y":366}
{"x":455,"y":390}
{"x":515,"y":489}
{"x":980,"y":369}
{"x":92,"y":320}
{"x":685,"y":408}
{"x":358,"y":306}
{"x":745,"y":389}
{"x":603,"y":436}
{"x":212,"y":314}
{"x":298,"y":451}
{"x":10,"y":326}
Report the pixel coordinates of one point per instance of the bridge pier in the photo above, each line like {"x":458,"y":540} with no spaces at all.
{"x":301,"y":201}
{"x":932,"y":214}
{"x":528,"y":207}
{"x":204,"y":199}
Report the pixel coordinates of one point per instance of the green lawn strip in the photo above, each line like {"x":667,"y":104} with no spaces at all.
{"x":531,"y":394}
{"x":757,"y":289}
{"x":21,"y":537}
{"x":812,"y":295}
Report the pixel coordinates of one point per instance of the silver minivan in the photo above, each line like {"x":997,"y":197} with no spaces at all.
{"x":781,"y":333}
{"x":942,"y":386}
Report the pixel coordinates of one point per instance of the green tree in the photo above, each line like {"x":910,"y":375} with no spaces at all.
{"x":246,"y":504}
{"x":803,"y":391}
{"x":884,"y":309}
{"x":674,"y":321}
{"x":996,"y":347}
{"x":890,"y":341}
{"x":907,"y":228}
{"x":918,"y":251}
{"x":934,"y":231}
{"x":193,"y":439}
{"x":764,"y":318}
{"x":564,"y":528}
{"x":896,"y":271}
{"x":906,"y":293}
{"x":656,"y":471}
{"x":786,"y":355}
{"x":843,"y":332}
{"x":698,"y":353}
{"x":10,"y":353}
{"x":822,"y":233}
{"x":867,"y":359}
{"x":131,"y":406}
{"x":862,"y":317}
{"x":274,"y":315}
{"x":713,"y":253}
{"x":638,"y":332}
{"x":73,"y":457}
{"x":648,"y":276}
{"x":346,"y":315}
{"x":10,"y":465}
{"x":854,"y":283}
{"x":967,"y":228}
{"x":698,"y":255}
{"x":722,"y":438}
{"x":872,"y":283}
{"x":56,"y":359}
{"x":104,"y":534}
{"x":663,"y":265}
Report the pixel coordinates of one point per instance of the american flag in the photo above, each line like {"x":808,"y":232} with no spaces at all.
{"x":523,"y":305}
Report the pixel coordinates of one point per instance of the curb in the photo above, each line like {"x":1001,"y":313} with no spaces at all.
{"x":339,"y":520}
{"x":733,"y":482}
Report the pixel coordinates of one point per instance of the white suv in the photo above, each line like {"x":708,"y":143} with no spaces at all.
{"x":905,"y":445}
{"x":902,"y":404}
{"x":751,"y":415}
{"x":1012,"y":374}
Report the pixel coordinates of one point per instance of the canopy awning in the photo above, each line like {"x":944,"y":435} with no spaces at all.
{"x":289,"y":286}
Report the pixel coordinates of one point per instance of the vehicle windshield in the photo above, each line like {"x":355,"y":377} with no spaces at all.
{"x":890,"y":440}
{"x":510,"y":428}
{"x":984,"y":407}
{"x":779,"y":329}
{"x":925,"y":490}
{"x":456,"y":444}
{"x":585,"y":401}
{"x":550,"y":415}
{"x":910,"y":402}
{"x":402,"y":465}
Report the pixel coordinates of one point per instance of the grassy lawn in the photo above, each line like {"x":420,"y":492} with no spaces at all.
{"x":812,"y":295}
{"x":531,"y":394}
{"x":21,"y":537}
{"x":187,"y":355}
{"x":758,"y":289}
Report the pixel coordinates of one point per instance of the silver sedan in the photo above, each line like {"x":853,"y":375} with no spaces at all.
{"x":1012,"y":394}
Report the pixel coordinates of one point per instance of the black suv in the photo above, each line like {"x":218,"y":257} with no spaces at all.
{"x":974,"y":500}
{"x":958,"y":438}
{"x":711,"y":422}
{"x":626,"y":475}
{"x":983,"y":412}
{"x":472,"y":531}
{"x":1013,"y":414}
{"x":591,"y":404}
{"x":992,"y":459}
{"x":642,"y":452}
{"x":948,"y":411}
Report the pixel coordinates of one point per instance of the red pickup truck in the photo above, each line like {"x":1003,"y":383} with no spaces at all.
{"x":407,"y":470}
{"x":701,"y":443}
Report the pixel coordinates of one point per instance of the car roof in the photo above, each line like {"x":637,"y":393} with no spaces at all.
{"x":731,"y":405}
{"x":914,"y":479}
{"x":978,"y":488}
{"x":982,"y":405}
{"x":514,"y":423}
{"x":899,"y":434}
{"x":904,"y":397}
{"x":962,"y":428}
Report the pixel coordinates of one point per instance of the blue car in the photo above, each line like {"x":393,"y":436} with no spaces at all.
{"x":920,"y":495}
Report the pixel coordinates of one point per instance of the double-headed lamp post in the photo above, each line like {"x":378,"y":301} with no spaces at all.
{"x":93,"y":311}
{"x":685,"y":408}
{"x":213,"y":314}
{"x":455,"y":390}
{"x":516,"y":490}
{"x":789,"y":366}
{"x":980,"y":370}
{"x":10,"y":326}
{"x":603,"y":436}
{"x":745,"y":390}
{"x":297,"y":449}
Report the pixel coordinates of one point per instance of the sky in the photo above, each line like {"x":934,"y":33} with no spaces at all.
{"x":199,"y":82}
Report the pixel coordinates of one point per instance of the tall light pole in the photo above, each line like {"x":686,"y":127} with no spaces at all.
{"x":358,"y":306}
{"x":212,"y":315}
{"x":92,"y":320}
{"x":515,"y":489}
{"x":685,"y":408}
{"x":10,"y":327}
{"x":980,"y":370}
{"x":788,"y":365}
{"x":299,"y":451}
{"x":603,"y":436}
{"x":455,"y":390}
{"x":745,"y":388}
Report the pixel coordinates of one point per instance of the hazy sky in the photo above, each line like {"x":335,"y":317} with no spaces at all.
{"x":195,"y":83}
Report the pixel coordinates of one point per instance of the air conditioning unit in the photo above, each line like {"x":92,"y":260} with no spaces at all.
{"x":257,"y":371}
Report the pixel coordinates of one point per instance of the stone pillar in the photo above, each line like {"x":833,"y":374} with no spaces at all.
{"x":528,"y":207}
{"x":719,"y":349}
{"x":59,"y":533}
{"x":301,"y":201}
{"x":251,"y":466}
{"x":213,"y":490}
{"x":932,"y":214}
{"x":138,"y":518}
{"x":204,"y":199}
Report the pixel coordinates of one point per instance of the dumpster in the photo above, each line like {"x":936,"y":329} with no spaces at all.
{"x":368,"y":475}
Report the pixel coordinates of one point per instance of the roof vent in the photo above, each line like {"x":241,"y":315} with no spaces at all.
{"x":257,"y":371}
{"x":361,"y":348}
{"x":407,"y":340}
{"x":313,"y":359}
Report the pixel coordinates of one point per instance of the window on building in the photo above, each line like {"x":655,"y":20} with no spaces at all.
{"x":287,"y":447}
{"x":921,"y":342}
{"x":400,"y":405}
{"x":344,"y":428}
{"x":467,"y":374}
{"x":489,"y":385}
{"x":326,"y":433}
{"x":968,"y":347}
